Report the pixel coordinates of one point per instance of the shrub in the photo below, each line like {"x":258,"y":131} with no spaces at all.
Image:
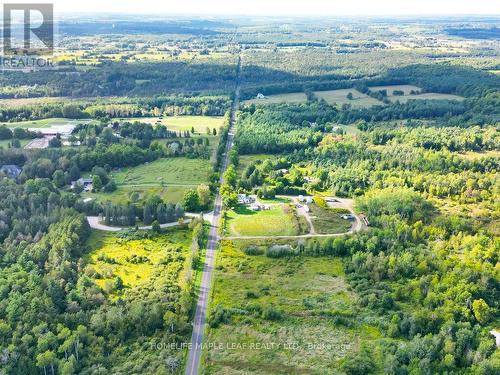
{"x":253,"y":250}
{"x":218,"y":316}
{"x":280,"y":251}
{"x":270,"y":313}
{"x":251,"y":295}
{"x":320,"y":201}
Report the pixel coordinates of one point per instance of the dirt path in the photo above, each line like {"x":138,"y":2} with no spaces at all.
{"x":95,"y":224}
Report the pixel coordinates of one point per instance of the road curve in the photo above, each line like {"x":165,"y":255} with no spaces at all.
{"x":195,"y":351}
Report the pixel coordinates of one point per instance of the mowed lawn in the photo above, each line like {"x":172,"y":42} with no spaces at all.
{"x":292,"y":98}
{"x":307,"y":291}
{"x":339,"y":98}
{"x":278,"y":221}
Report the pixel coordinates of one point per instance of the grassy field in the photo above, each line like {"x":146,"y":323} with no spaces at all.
{"x":125,"y":194}
{"x":6,"y":142}
{"x":279,"y":220}
{"x":349,"y":129}
{"x":339,"y":97}
{"x":390,"y":89}
{"x":14,"y":102}
{"x":45,"y":123}
{"x":303,"y":336}
{"x":327,"y":221}
{"x":246,"y":160}
{"x":140,"y":263}
{"x":182,"y":123}
{"x":174,"y":171}
{"x":296,"y":97}
{"x":428,"y":96}
{"x":407,"y":96}
{"x":169,"y":178}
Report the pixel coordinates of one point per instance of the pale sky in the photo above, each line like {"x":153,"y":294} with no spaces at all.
{"x":280,"y":7}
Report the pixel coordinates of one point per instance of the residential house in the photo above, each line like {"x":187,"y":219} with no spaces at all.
{"x":11,"y":170}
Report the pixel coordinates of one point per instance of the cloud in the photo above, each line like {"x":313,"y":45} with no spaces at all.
{"x":283,"y":7}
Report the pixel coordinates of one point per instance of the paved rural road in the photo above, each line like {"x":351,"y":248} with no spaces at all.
{"x":200,"y":317}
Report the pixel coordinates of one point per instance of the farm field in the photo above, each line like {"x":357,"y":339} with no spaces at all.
{"x":30,"y":101}
{"x":339,"y":97}
{"x":282,"y":302}
{"x":45,"y":123}
{"x":278,"y":221}
{"x":428,"y":96}
{"x":407,"y":89}
{"x":182,"y":123}
{"x":296,"y":97}
{"x":391,"y":88}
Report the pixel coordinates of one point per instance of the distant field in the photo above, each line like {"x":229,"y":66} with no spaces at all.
{"x":30,"y":101}
{"x":339,"y":97}
{"x":429,"y":96}
{"x":274,"y":222}
{"x":5,"y":142}
{"x":407,"y":96}
{"x":45,"y":123}
{"x":182,"y":123}
{"x":391,"y":88}
{"x":349,"y":129}
{"x":309,"y":294}
{"x":293,"y":98}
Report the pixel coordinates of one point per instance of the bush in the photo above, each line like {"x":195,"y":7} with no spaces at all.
{"x":320,"y":201}
{"x":358,"y":364}
{"x":280,"y":251}
{"x":253,"y":250}
{"x":218,"y":316}
{"x":270,"y":313}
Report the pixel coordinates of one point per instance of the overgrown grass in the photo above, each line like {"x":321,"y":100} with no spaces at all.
{"x":300,"y":308}
{"x":328,"y":221}
{"x":139,"y":263}
{"x":339,"y":97}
